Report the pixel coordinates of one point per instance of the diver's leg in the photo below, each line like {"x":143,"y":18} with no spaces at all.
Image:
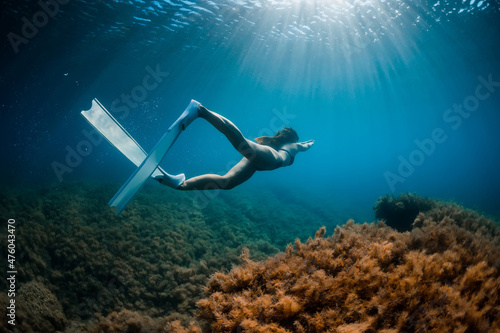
{"x":232,"y":133}
{"x":238,"y":174}
{"x":204,"y":182}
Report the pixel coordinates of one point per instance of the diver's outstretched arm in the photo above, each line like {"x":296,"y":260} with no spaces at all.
{"x":294,"y":148}
{"x":303,"y":146}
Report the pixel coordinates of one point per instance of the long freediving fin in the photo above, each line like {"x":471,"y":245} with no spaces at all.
{"x":150,"y":163}
{"x":113,"y":131}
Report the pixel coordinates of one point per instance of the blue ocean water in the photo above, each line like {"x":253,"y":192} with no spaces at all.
{"x":398,"y":96}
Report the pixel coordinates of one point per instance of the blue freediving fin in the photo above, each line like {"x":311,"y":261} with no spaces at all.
{"x":150,"y":163}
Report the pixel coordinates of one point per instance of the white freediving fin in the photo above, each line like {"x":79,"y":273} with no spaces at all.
{"x":110,"y":128}
{"x":150,"y":163}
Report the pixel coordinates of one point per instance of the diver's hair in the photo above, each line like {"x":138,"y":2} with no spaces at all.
{"x":286,"y":135}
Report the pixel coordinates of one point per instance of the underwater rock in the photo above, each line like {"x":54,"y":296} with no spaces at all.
{"x":38,"y":309}
{"x":400,"y":212}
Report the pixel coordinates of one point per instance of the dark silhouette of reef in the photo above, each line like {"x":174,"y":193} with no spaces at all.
{"x":400,"y":212}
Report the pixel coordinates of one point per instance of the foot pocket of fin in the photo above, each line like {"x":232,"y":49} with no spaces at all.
{"x":188,"y":116}
{"x":173,"y":181}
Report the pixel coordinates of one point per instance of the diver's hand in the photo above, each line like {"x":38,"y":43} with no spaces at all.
{"x":303,"y":146}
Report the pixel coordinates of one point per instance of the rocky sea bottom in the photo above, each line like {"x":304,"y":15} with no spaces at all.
{"x":246,"y":261}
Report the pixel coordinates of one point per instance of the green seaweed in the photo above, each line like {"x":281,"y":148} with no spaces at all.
{"x":156,"y":257}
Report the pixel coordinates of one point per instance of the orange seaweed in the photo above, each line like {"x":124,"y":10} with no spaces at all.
{"x":441,"y":276}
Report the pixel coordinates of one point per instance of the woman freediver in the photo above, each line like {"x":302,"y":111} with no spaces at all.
{"x":266,"y":153}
